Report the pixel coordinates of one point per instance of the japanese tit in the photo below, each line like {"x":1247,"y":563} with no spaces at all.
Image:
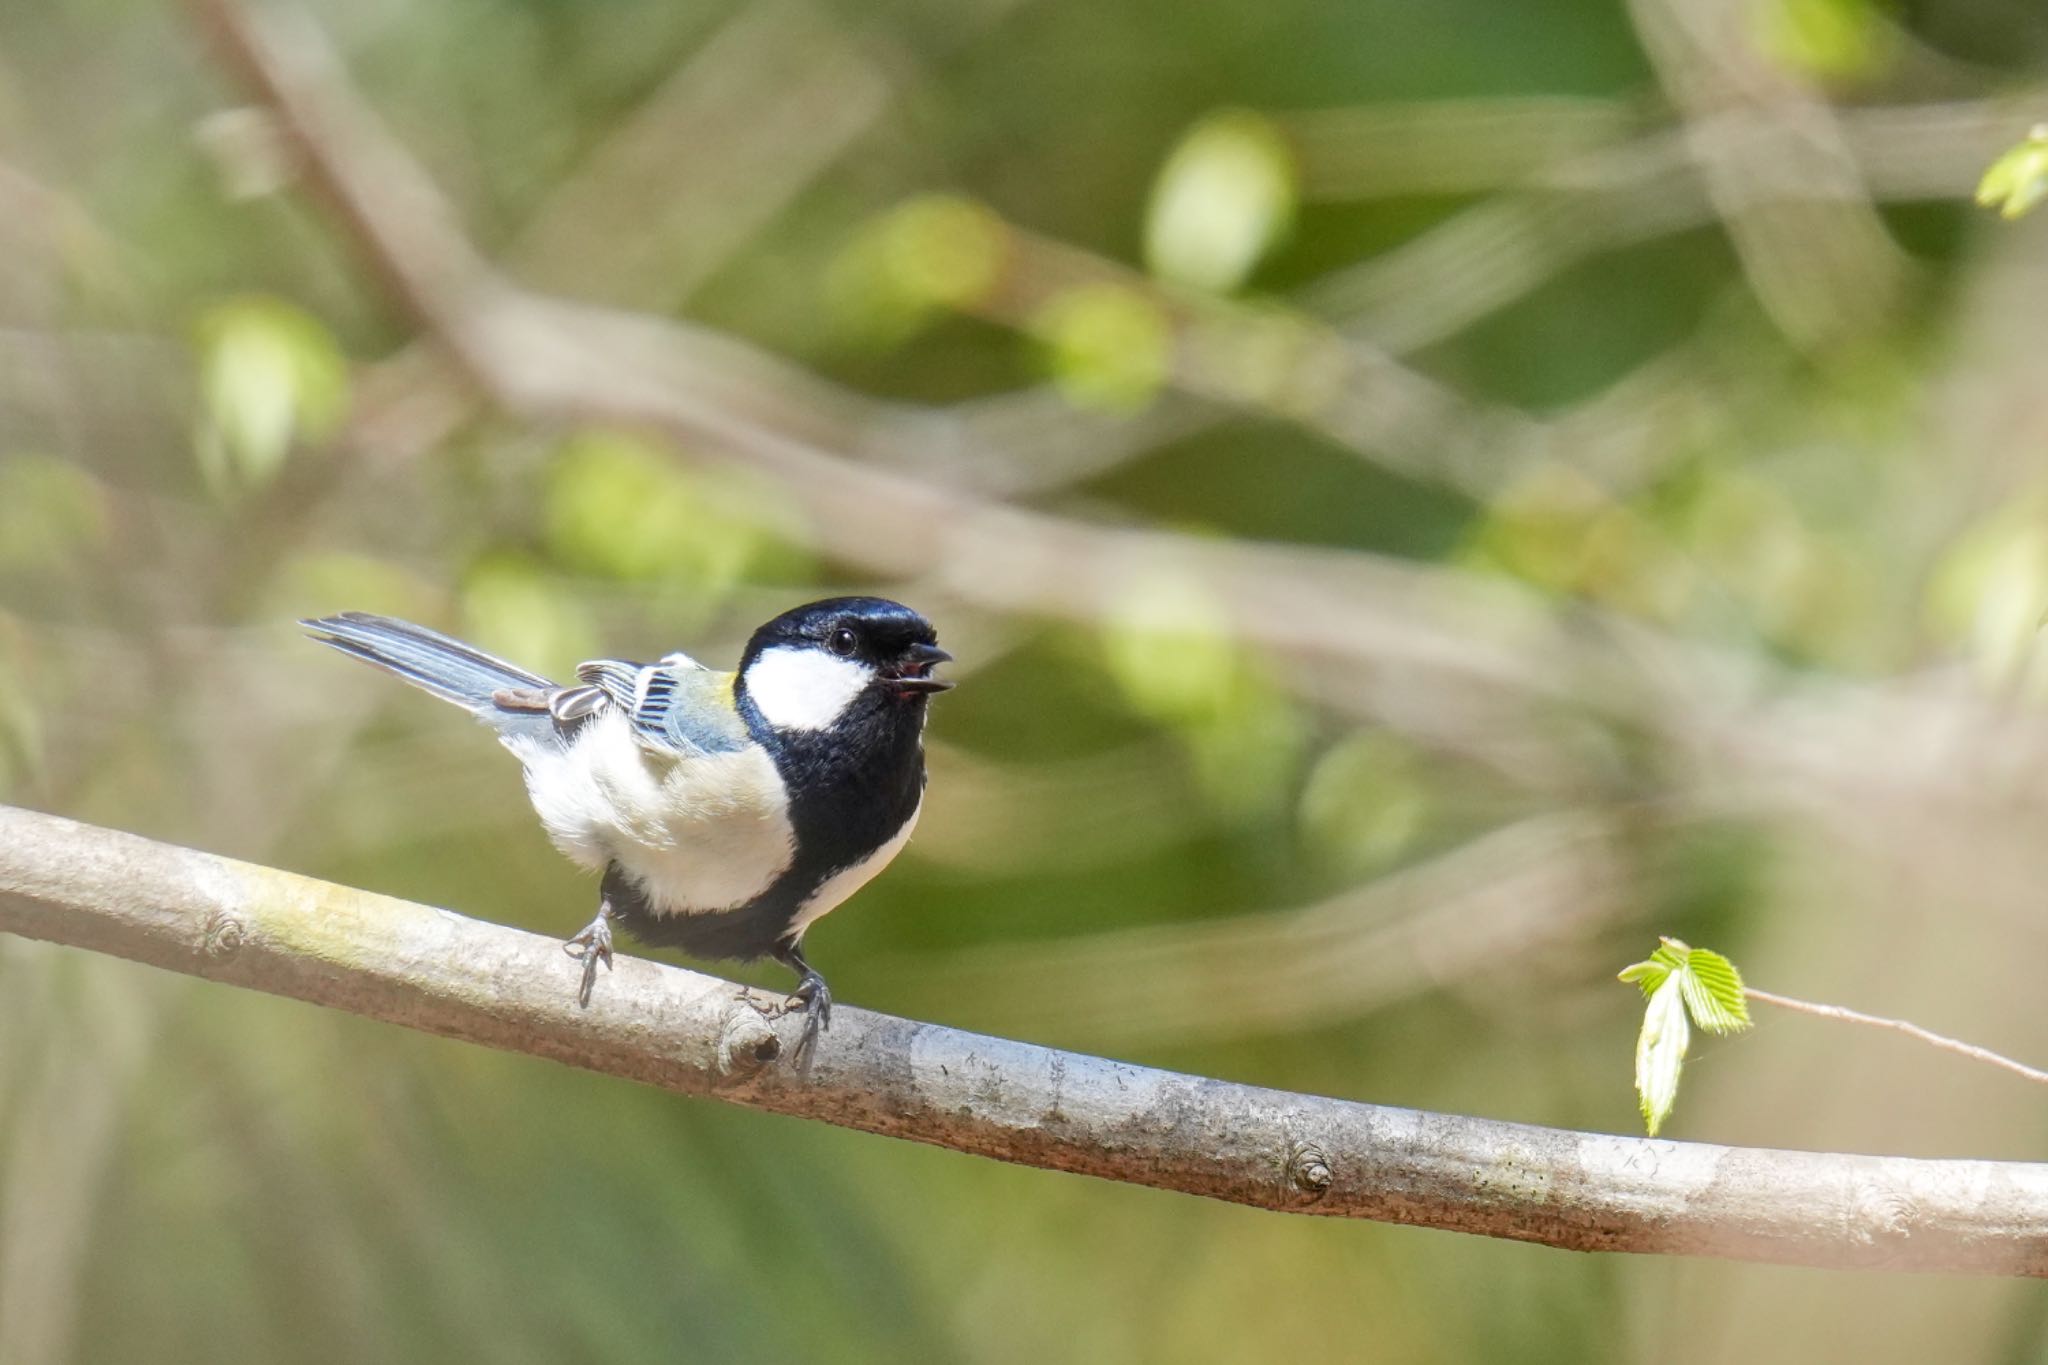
{"x":726,"y":811}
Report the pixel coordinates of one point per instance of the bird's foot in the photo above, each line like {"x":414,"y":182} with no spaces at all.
{"x":814,"y":998}
{"x":592,"y":946}
{"x":811,"y":996}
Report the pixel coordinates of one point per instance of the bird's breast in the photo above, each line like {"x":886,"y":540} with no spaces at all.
{"x":702,"y":833}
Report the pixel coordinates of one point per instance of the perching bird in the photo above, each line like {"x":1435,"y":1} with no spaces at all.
{"x":727,"y":811}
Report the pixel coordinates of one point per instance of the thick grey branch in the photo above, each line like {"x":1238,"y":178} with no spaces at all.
{"x":441,"y":973}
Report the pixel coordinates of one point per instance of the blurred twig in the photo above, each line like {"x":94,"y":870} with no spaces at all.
{"x":1265,"y":358}
{"x":1904,"y":151}
{"x":717,"y":150}
{"x":1448,"y":146}
{"x":1583,"y":177}
{"x":1401,"y":641}
{"x":1487,"y":256}
{"x":707,"y":161}
{"x":1911,"y":1030}
{"x":1814,"y":249}
{"x":557,"y":362}
{"x":442,"y":973}
{"x":546,"y":357}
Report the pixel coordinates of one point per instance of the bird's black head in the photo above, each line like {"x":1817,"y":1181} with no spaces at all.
{"x":813,"y":665}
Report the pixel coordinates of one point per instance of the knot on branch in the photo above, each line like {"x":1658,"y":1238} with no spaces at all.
{"x":223,"y":936}
{"x":1883,"y":1220}
{"x":1308,"y":1170}
{"x":745,"y":1042}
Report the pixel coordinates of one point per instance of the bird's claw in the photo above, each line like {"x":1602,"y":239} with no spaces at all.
{"x":814,"y":998}
{"x":592,"y":946}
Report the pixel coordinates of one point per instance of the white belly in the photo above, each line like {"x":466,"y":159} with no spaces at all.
{"x":701,"y":834}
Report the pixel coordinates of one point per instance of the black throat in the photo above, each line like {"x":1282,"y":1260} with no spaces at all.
{"x":852,"y":787}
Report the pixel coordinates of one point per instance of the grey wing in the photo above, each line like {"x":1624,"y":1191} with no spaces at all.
{"x":676,"y":706}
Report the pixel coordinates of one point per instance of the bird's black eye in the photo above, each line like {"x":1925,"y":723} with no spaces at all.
{"x":841,"y":642}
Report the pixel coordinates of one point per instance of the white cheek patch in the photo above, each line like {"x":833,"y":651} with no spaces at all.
{"x":805,"y":689}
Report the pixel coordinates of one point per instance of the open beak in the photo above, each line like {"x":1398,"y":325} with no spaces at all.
{"x":914,"y":667}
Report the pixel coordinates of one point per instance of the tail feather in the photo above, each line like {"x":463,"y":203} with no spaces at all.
{"x":437,"y":663}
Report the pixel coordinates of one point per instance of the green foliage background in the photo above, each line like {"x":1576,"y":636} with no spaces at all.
{"x":190,"y":361}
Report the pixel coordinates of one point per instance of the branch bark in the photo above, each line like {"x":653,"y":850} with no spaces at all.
{"x":442,"y":973}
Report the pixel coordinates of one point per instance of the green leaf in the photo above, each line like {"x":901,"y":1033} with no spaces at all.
{"x":1111,"y":347}
{"x":1363,"y":804}
{"x":942,"y":249}
{"x":2018,"y":180}
{"x":270,"y":375}
{"x":933,"y":252}
{"x":1679,"y":980}
{"x":1246,"y":759}
{"x":1225,"y":195}
{"x":1713,"y":992}
{"x":1833,"y":39}
{"x":1168,"y":646}
{"x":1660,"y":1052}
{"x":624,"y":508}
{"x":514,"y":607}
{"x":1989,"y":593}
{"x":1649,"y":975}
{"x":1561,"y":531}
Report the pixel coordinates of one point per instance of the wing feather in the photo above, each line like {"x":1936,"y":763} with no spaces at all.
{"x":676,"y":707}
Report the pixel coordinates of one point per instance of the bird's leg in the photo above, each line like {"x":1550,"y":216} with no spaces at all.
{"x":811,"y":996}
{"x":590,"y":947}
{"x":594,"y":944}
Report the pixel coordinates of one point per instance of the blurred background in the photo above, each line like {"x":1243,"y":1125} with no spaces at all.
{"x":1426,"y":499}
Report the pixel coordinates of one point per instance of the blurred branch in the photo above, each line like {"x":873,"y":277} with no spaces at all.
{"x":1511,"y":895}
{"x":555,"y":362}
{"x":1449,"y":146}
{"x":545,"y":357}
{"x":721,"y":147}
{"x":72,"y":388}
{"x":387,"y":202}
{"x":1002,"y":817}
{"x":1584,"y":177}
{"x":1408,"y":643}
{"x":1487,"y":256}
{"x":50,"y":245}
{"x":709,"y":160}
{"x":1904,"y":151}
{"x":444,"y":974}
{"x":1798,"y":212}
{"x":1606,"y":197}
{"x":1028,"y":441}
{"x":1269,"y":359}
